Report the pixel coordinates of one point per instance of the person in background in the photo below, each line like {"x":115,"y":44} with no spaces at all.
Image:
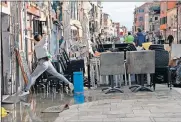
{"x":120,"y":40}
{"x":44,"y":63}
{"x":170,"y":39}
{"x":147,"y":37}
{"x":129,"y":38}
{"x":61,"y":41}
{"x":160,"y":40}
{"x":140,"y":38}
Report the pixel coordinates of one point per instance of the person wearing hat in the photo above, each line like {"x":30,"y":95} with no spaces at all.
{"x":44,"y":63}
{"x":173,"y":62}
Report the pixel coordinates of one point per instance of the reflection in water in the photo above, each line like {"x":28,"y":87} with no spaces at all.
{"x":20,"y":112}
{"x":79,"y":98}
{"x":31,"y":111}
{"x":31,"y":115}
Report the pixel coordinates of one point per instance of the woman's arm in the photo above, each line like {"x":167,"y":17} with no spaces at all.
{"x":31,"y":39}
{"x":31,"y":53}
{"x":44,"y":40}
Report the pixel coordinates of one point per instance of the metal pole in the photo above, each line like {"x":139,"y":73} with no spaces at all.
{"x":25,"y":30}
{"x":88,"y":68}
{"x":49,"y":22}
{"x":177,"y":25}
{"x":1,"y":66}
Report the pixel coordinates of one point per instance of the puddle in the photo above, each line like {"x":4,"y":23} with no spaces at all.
{"x":21,"y":112}
{"x":41,"y":101}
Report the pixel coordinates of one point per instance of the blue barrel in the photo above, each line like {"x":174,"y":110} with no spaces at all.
{"x":78,"y":82}
{"x":79,"y":98}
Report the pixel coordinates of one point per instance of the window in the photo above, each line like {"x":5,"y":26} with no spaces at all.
{"x":140,"y":10}
{"x":150,"y":19}
{"x":153,"y":27}
{"x":163,"y":20}
{"x":156,"y":18}
{"x":37,"y":26}
{"x":135,"y":20}
{"x":140,"y":18}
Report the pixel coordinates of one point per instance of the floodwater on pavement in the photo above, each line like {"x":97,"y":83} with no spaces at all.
{"x":24,"y":112}
{"x":20,"y":112}
{"x":34,"y":112}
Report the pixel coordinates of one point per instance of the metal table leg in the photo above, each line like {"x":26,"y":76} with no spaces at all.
{"x":140,"y":87}
{"x":113,"y":89}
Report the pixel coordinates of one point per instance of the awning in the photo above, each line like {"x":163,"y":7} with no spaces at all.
{"x":76,"y":24}
{"x":73,"y":27}
{"x":87,"y":6}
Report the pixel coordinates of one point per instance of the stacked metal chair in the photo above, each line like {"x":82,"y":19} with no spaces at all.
{"x":162,"y":70}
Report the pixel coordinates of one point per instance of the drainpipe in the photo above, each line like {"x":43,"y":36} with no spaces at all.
{"x":1,"y":62}
{"x":25,"y":30}
{"x":177,"y":24}
{"x":49,"y":22}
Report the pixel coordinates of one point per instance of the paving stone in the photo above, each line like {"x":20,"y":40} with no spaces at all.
{"x":141,"y":111}
{"x":145,"y":115}
{"x":136,"y":119}
{"x":167,"y":119}
{"x":163,"y":105}
{"x":121,"y":111}
{"x":165,"y":110}
{"x":116,"y":116}
{"x":172,"y":115}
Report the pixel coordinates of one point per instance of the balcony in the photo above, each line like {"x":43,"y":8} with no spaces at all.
{"x":155,"y":9}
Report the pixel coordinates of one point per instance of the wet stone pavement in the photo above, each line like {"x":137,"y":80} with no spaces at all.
{"x":163,"y":105}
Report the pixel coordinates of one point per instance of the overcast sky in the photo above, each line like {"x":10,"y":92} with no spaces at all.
{"x":121,"y":12}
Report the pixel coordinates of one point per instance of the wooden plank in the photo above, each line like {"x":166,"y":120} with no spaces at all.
{"x":23,"y":65}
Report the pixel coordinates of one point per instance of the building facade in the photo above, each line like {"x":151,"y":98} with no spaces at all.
{"x":172,"y":20}
{"x":163,"y":18}
{"x":5,"y":60}
{"x":139,"y":17}
{"x":21,"y":21}
{"x":179,"y":22}
{"x":107,"y":27}
{"x":154,"y":19}
{"x":172,"y":23}
{"x":68,"y":24}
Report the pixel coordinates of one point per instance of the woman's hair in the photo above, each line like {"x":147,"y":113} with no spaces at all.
{"x":139,"y":30}
{"x":37,"y":37}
